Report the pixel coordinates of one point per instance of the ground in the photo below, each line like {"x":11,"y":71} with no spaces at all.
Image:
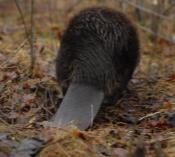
{"x":141,"y":122}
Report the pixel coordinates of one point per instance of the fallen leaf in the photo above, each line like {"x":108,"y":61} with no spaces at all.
{"x":79,"y":134}
{"x":26,"y":86}
{"x":56,"y":31}
{"x":167,"y":105}
{"x":158,"y":124}
{"x":172,"y":77}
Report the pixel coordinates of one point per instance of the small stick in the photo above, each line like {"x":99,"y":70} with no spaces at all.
{"x":32,"y":52}
{"x":92,"y":115}
{"x":150,"y":115}
{"x":22,"y":18}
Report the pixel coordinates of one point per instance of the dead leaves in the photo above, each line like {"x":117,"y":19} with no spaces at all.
{"x":79,"y":134}
{"x":172,"y":77}
{"x":56,"y":32}
{"x":8,"y":76}
{"x":26,"y":100}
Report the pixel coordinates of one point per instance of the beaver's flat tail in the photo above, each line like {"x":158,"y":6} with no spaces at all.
{"x":79,"y":106}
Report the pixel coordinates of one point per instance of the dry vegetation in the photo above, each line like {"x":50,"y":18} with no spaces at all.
{"x":142,"y":122}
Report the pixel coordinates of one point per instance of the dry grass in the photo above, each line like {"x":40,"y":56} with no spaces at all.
{"x":26,"y":100}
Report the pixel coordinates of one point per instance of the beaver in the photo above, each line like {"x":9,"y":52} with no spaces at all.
{"x":98,"y":54}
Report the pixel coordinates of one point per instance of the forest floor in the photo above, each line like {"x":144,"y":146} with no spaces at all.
{"x":140,"y":124}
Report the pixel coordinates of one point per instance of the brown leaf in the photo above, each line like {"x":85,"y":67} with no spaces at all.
{"x":171,"y":77}
{"x":79,"y":134}
{"x":168,"y":105}
{"x":26,"y":86}
{"x":158,"y":124}
{"x":56,"y":31}
{"x":9,"y":76}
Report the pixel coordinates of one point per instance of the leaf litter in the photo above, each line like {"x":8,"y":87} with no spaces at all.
{"x":140,"y":124}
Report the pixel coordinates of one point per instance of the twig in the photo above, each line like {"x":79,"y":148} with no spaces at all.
{"x":70,"y":8}
{"x":29,"y":35}
{"x":155,"y":14}
{"x":149,"y":11}
{"x":4,"y":122}
{"x":150,"y":115}
{"x":32,"y":52}
{"x":51,"y":20}
{"x":153,"y":33}
{"x":169,"y":8}
{"x":92,"y":115}
{"x":51,"y":100}
{"x":23,"y":21}
{"x":15,"y":52}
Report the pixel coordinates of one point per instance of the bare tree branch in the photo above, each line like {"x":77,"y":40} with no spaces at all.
{"x":166,"y":11}
{"x":32,"y":40}
{"x":70,"y":8}
{"x":149,"y":11}
{"x":23,"y":21}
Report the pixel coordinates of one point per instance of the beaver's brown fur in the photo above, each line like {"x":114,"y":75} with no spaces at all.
{"x":99,"y":47}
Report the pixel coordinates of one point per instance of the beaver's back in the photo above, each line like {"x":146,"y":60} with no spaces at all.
{"x":100,"y":47}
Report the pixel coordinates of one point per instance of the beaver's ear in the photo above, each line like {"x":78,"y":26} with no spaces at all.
{"x":79,"y":106}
